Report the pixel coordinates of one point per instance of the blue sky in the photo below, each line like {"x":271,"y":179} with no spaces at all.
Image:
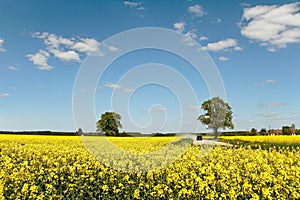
{"x":254,"y":45}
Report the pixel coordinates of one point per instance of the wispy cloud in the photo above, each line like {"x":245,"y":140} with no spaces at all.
{"x":116,"y":87}
{"x":190,"y":37}
{"x":1,"y":45}
{"x":194,"y":107}
{"x":112,"y":48}
{"x":223,"y":58}
{"x":266,"y":82}
{"x":283,"y":119}
{"x":112,"y":85}
{"x":161,"y":109}
{"x":266,"y":115}
{"x":13,"y":68}
{"x":217,"y":20}
{"x":295,"y":113}
{"x":273,"y":26}
{"x":271,"y":105}
{"x":203,"y":38}
{"x":132,"y":4}
{"x":3,"y":95}
{"x":196,"y":10}
{"x":128,"y":90}
{"x":223,"y":45}
{"x":179,"y":26}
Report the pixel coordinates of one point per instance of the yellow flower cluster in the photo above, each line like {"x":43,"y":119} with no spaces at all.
{"x":58,"y":167}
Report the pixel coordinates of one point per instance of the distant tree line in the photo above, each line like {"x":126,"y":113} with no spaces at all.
{"x":252,"y":132}
{"x":163,"y":134}
{"x":286,"y":130}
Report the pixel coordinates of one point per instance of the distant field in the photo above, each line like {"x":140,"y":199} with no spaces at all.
{"x":264,"y":142}
{"x":60,"y":167}
{"x":295,"y":139}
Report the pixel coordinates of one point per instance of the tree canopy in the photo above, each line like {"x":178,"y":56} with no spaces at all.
{"x":217,"y":115}
{"x":80,"y":132}
{"x":109,"y":124}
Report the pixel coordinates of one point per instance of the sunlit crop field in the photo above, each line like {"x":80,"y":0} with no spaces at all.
{"x":58,"y":167}
{"x":295,"y":139}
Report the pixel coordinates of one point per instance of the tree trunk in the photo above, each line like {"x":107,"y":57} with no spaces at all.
{"x":216,"y":133}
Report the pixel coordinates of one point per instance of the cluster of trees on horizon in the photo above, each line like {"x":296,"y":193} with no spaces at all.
{"x":218,"y":115}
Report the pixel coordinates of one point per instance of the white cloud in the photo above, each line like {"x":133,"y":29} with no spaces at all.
{"x":83,"y":45}
{"x":203,"y":38}
{"x":112,"y":48}
{"x":13,"y":68}
{"x":196,"y":10}
{"x":238,"y":48}
{"x":1,"y":45}
{"x":86,"y":45}
{"x":112,"y":85}
{"x":40,"y":59}
{"x":274,"y":26}
{"x":179,"y":26}
{"x":227,"y":44}
{"x":3,"y":95}
{"x":137,"y":5}
{"x":223,"y":58}
{"x":131,"y":3}
{"x":272,"y":49}
{"x":278,"y":104}
{"x":65,"y":49}
{"x":266,"y":82}
{"x":53,"y":41}
{"x":66,"y":41}
{"x":189,"y":38}
{"x":67,"y":56}
{"x":270,"y":81}
{"x":40,"y":35}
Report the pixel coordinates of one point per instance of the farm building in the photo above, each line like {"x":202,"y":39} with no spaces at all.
{"x":275,"y":132}
{"x":286,"y":130}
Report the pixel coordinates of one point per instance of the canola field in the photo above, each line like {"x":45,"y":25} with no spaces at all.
{"x":61,"y":167}
{"x":279,"y":139}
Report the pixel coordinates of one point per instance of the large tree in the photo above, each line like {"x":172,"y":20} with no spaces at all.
{"x":109,"y":124}
{"x":217,"y":115}
{"x":80,"y":132}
